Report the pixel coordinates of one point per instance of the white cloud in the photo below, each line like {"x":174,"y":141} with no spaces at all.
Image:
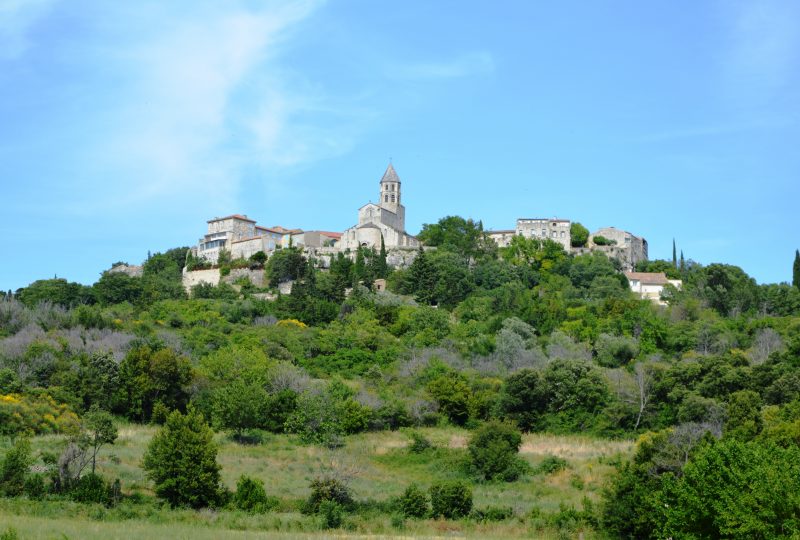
{"x":179,"y":127}
{"x":468,"y":64}
{"x":765,"y":43}
{"x":16,"y":19}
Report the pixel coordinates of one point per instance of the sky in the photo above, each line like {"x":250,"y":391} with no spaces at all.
{"x":125,"y":126}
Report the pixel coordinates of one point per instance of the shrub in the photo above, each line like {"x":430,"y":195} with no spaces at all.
{"x":35,"y":414}
{"x":9,"y":534}
{"x":35,"y":486}
{"x":327,"y":489}
{"x":419,"y":443}
{"x":15,"y":467}
{"x":91,"y":488}
{"x":551,"y":464}
{"x":332,"y":514}
{"x":181,"y":460}
{"x":451,"y":500}
{"x":413,"y":503}
{"x":493,"y":450}
{"x":600,"y":240}
{"x":251,"y":497}
{"x":493,"y":513}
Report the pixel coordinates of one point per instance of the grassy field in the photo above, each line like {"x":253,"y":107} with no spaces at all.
{"x":380,"y":468}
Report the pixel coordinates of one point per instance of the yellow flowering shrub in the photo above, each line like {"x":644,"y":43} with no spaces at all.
{"x":34,"y":415}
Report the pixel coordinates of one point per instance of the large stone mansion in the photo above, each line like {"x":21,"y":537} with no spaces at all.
{"x":385,"y":221}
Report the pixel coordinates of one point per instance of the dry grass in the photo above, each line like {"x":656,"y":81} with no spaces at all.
{"x":380,"y":469}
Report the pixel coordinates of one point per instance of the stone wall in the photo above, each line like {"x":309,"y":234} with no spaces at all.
{"x":196,"y":277}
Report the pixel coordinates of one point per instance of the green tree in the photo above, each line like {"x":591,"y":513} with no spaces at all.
{"x":285,"y":265}
{"x":732,"y":489}
{"x":451,"y":500}
{"x":578,"y":235}
{"x":493,"y":450}
{"x":56,"y":291}
{"x":98,"y":430}
{"x":421,"y":278}
{"x":524,"y":398}
{"x":149,"y":377}
{"x":796,"y":269}
{"x":674,"y":255}
{"x":453,"y":395}
{"x":181,"y":461}
{"x":118,"y":287}
{"x":14,"y":468}
{"x":240,"y":405}
{"x":454,"y":233}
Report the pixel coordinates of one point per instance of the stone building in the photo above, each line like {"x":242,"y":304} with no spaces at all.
{"x":502,"y":237}
{"x":625,"y":247}
{"x":239,"y":235}
{"x":553,"y":229}
{"x":385,"y":219}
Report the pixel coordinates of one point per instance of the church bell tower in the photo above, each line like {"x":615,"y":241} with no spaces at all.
{"x":389,"y":197}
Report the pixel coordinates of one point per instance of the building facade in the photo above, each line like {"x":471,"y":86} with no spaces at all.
{"x":554,"y":229}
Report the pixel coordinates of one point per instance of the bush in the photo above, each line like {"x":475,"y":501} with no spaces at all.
{"x":35,"y":486}
{"x":451,"y":500}
{"x":493,"y":449}
{"x":332,"y":514}
{"x":35,"y":414}
{"x":600,"y":240}
{"x":251,"y":497}
{"x":91,"y":488}
{"x":9,"y":534}
{"x":327,"y":489}
{"x":413,"y":503}
{"x":419,"y":443}
{"x":551,"y":464}
{"x":14,"y":468}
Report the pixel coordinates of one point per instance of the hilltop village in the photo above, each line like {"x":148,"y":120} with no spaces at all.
{"x":383,"y":224}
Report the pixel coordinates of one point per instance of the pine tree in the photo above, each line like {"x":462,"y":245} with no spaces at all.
{"x":674,"y":255}
{"x":796,"y":269}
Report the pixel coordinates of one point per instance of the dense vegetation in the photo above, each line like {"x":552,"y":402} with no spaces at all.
{"x":497,"y":340}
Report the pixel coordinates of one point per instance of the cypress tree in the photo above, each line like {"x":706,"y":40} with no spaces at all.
{"x":381,"y":266}
{"x":674,"y":255}
{"x":683,"y":263}
{"x":796,"y":269}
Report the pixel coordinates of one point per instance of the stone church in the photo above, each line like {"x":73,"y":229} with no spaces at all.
{"x":387,"y":218}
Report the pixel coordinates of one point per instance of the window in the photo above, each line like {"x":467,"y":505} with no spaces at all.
{"x":392,"y":197}
{"x":555,"y":234}
{"x":385,"y":198}
{"x":392,"y":187}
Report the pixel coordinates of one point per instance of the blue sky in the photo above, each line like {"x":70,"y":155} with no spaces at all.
{"x":124,"y":126}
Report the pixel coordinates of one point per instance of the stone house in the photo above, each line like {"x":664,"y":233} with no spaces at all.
{"x":650,"y":285}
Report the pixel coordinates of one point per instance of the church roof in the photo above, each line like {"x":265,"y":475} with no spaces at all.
{"x":390,"y":175}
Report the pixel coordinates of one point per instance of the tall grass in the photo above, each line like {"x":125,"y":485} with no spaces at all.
{"x":379,"y":465}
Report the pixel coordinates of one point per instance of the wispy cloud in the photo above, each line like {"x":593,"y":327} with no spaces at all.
{"x":476,"y":63}
{"x":16,"y":19}
{"x":765,"y":48}
{"x":182,"y":123}
{"x":712,"y":130}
